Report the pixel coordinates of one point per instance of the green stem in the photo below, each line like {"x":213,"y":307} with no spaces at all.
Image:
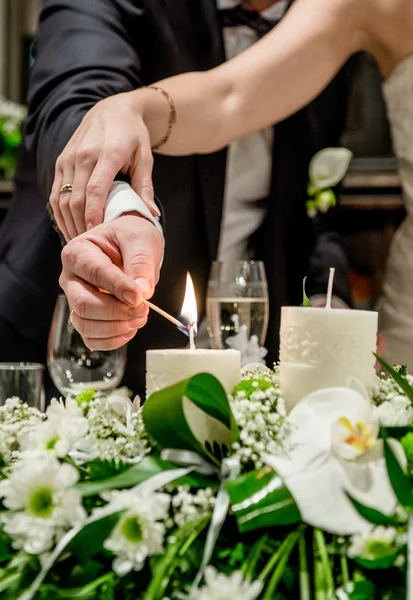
{"x":250,"y":564}
{"x":280,"y":568}
{"x":325,"y":561}
{"x":344,"y":568}
{"x":277,"y":556}
{"x":305,"y":591}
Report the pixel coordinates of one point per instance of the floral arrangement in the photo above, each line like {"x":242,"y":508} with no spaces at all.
{"x":12,"y":116}
{"x":327,"y":168}
{"x":201,"y":496}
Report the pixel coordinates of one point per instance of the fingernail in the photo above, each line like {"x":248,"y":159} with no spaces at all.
{"x":89,"y":226}
{"x":129,"y":297}
{"x":143,"y":285}
{"x":155,"y":209}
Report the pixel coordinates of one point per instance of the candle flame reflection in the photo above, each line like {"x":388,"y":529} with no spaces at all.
{"x":189,"y":313}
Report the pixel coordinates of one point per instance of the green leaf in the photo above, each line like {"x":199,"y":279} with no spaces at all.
{"x":395,"y":432}
{"x":89,"y":541}
{"x":150,"y":466}
{"x":260,"y":499}
{"x":372,"y":515}
{"x":400,"y":481}
{"x":397,"y":377}
{"x":306,"y":300}
{"x":192,"y":415}
{"x":85,"y":397}
{"x":384,"y":562}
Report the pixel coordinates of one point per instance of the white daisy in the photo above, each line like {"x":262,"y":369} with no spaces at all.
{"x":66,"y":426}
{"x":40,"y":501}
{"x":140,"y":531}
{"x":223,"y":587}
{"x":378,"y":543}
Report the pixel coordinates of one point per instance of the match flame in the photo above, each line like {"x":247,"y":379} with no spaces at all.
{"x":189,"y":313}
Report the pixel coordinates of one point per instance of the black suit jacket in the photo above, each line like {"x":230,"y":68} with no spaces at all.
{"x":88,"y":50}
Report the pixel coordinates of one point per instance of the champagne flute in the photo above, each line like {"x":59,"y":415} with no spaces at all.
{"x":237,"y":303}
{"x":72,"y":366}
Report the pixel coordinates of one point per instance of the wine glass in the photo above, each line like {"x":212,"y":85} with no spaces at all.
{"x":24,"y":380}
{"x":237,"y":304}
{"x":72,"y":366}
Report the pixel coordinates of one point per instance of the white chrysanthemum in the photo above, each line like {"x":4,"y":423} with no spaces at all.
{"x":16,"y":419}
{"x":141,"y":529}
{"x":378,"y":543}
{"x":65,"y":427}
{"x":395,"y":412}
{"x":41,"y":502}
{"x":226,"y":587}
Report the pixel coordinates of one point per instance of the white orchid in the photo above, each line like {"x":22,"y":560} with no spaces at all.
{"x":65,"y":428}
{"x":141,"y":529}
{"x":328,"y":167}
{"x":226,"y":587}
{"x":336,"y":451}
{"x":41,"y":502}
{"x":121,"y":404}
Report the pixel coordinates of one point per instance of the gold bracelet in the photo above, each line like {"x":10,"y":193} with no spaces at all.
{"x":172,"y":115}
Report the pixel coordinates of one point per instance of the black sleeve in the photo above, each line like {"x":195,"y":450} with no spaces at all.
{"x":84,"y":52}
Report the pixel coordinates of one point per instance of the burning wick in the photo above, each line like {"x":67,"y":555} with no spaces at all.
{"x":192,"y":336}
{"x":330,"y":288}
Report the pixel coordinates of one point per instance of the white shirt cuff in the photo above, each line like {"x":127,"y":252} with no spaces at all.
{"x":123,"y":199}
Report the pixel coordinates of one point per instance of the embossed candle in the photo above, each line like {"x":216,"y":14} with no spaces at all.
{"x":166,"y":367}
{"x":323,"y":347}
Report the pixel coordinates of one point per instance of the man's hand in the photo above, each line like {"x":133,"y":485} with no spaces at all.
{"x":121,"y":257}
{"x":111,"y":138}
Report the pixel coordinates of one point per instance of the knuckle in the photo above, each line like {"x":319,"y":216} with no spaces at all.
{"x":94,"y":188}
{"x":86,"y":154}
{"x":77,"y":203}
{"x":62,"y":281}
{"x":80,"y":305}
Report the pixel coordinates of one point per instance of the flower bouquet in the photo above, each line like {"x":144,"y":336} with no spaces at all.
{"x":12,"y":116}
{"x":202,"y":496}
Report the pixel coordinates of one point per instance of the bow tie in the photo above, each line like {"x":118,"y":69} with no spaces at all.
{"x":234,"y":17}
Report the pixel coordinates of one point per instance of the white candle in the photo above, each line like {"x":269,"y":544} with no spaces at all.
{"x":166,"y":367}
{"x":322,"y":347}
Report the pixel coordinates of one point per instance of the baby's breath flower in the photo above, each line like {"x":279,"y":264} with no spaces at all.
{"x":113,"y":436}
{"x":260,"y":413}
{"x":16,"y":420}
{"x":188,"y":505}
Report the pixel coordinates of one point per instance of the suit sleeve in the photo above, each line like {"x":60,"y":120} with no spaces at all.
{"x":328,"y":119}
{"x":84,"y":52}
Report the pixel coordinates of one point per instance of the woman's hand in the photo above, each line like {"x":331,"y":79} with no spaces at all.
{"x":112,"y":138}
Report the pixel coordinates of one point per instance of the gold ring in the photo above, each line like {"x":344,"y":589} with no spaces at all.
{"x":67,"y":187}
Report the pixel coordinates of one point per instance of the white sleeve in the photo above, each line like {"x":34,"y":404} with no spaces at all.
{"x":123,"y":199}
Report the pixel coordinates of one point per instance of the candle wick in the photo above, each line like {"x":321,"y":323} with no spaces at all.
{"x":330,"y":288}
{"x":192,"y":336}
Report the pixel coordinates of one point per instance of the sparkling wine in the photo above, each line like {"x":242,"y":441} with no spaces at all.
{"x":226,"y":317}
